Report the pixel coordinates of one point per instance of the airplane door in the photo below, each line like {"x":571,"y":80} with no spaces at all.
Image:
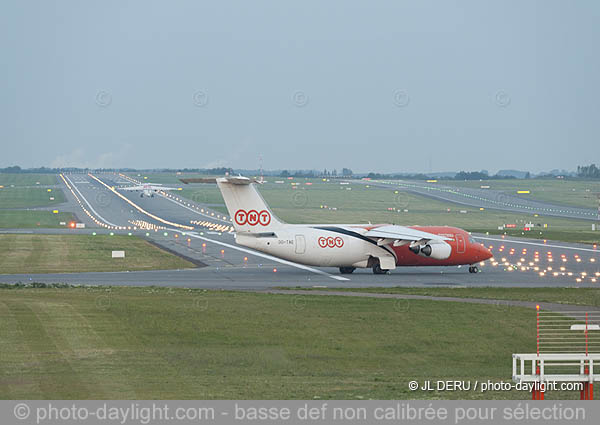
{"x":300,"y":244}
{"x":460,"y":244}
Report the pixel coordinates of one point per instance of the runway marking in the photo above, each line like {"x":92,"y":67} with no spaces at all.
{"x":89,"y":205}
{"x":136,"y":206}
{"x":26,"y":232}
{"x":193,"y":210}
{"x":539,"y":244}
{"x":260,"y":254}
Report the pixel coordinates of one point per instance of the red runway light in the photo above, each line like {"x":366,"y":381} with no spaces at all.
{"x":274,"y":270}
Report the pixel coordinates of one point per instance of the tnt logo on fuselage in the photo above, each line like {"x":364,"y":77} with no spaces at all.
{"x":252,"y":217}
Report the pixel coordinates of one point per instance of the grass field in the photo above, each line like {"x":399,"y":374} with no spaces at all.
{"x":577,"y":193}
{"x":23,"y":219}
{"x":23,"y":253}
{"x":152,"y":343}
{"x":579,"y":296}
{"x":19,"y":197}
{"x":8,"y":179}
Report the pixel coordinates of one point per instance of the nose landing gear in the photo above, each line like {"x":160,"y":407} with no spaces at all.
{"x":473,"y":269}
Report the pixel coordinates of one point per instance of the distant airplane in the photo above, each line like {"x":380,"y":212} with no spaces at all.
{"x":147,"y":189}
{"x":380,"y":247}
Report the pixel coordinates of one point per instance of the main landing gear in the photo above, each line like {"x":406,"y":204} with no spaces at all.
{"x":378,"y":270}
{"x":473,"y":269}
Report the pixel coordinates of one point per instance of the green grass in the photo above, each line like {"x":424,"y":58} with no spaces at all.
{"x":21,"y":219}
{"x":8,"y":179}
{"x":575,"y":193}
{"x":24,"y":253}
{"x":579,"y":296}
{"x":150,"y":343}
{"x":19,"y":197}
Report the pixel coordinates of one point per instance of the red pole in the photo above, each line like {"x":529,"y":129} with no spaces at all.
{"x":587,"y":389}
{"x":586,"y":333}
{"x":537,"y":309}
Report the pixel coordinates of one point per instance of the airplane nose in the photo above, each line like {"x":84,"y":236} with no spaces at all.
{"x":486,"y":254}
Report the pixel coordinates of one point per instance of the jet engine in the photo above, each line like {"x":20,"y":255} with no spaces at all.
{"x":438,"y":250}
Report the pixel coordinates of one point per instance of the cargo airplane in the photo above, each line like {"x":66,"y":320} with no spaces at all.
{"x":381,"y":247}
{"x":147,"y":189}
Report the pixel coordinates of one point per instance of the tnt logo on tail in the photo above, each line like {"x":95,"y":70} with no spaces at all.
{"x":252,"y":217}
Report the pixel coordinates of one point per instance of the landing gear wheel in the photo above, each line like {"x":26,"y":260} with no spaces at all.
{"x":473,"y":269}
{"x":347,"y":270}
{"x":378,"y":270}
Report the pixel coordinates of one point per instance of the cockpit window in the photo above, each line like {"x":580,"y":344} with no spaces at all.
{"x":471,"y":240}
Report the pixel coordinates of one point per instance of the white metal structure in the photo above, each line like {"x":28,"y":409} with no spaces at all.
{"x":568,"y":350}
{"x":575,"y":367}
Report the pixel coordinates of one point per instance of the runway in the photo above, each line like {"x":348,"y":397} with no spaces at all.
{"x":517,"y":262}
{"x":483,"y":198}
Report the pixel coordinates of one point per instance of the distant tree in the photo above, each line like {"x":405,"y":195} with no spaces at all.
{"x":334,"y":173}
{"x":285,"y":173}
{"x":346,"y":172}
{"x":473,"y":175}
{"x":588,"y":171}
{"x":13,"y":169}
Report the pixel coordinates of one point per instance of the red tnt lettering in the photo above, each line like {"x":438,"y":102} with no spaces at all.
{"x":241,"y":217}
{"x":252,"y":217}
{"x":264,"y":217}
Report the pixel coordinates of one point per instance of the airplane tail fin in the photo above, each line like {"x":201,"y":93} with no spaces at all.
{"x":247,"y":208}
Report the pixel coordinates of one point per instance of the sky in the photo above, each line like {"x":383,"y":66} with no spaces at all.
{"x":386,"y":86}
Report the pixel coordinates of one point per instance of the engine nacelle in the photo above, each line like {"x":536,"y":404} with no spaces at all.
{"x":437,"y":250}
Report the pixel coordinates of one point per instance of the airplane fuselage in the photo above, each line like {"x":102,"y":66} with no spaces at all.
{"x":345,"y":246}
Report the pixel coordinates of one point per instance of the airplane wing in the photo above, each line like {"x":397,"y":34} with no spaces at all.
{"x":199,"y":180}
{"x":131,"y":188}
{"x":230,"y":179}
{"x":401,"y":235}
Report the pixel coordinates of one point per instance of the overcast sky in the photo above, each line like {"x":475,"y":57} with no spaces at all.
{"x":371,"y":85}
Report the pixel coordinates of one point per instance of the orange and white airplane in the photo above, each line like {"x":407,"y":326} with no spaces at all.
{"x":381,"y":247}
{"x":147,"y":189}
